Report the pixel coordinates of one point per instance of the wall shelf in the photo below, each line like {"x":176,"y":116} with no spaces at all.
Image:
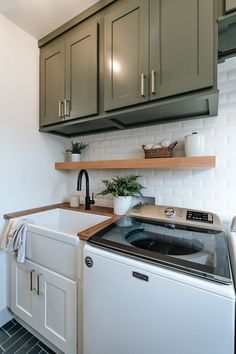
{"x":201,"y":162}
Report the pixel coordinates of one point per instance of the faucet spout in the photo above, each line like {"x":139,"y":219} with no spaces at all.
{"x":88,"y":201}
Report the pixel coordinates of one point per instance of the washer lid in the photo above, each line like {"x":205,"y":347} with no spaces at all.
{"x":194,"y":250}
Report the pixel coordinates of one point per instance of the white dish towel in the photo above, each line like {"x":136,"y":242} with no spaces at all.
{"x":14,"y":238}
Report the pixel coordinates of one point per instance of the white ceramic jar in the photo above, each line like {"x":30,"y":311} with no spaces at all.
{"x":74,"y":201}
{"x":194,"y":144}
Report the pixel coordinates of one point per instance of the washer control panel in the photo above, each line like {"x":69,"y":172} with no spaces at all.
{"x":190,"y":217}
{"x":199,"y":216}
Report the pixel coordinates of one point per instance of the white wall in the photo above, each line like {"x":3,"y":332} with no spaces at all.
{"x":27,"y":157}
{"x":211,"y":189}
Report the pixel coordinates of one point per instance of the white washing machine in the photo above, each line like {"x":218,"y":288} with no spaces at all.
{"x":159,"y":282}
{"x":232,"y":247}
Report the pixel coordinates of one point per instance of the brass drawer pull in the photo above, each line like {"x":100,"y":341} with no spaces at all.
{"x":67,"y":107}
{"x":142,"y":85}
{"x":153,"y":82}
{"x":61,"y":109}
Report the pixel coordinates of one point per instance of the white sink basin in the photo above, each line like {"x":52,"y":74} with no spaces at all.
{"x":66,"y":221}
{"x":52,"y":238}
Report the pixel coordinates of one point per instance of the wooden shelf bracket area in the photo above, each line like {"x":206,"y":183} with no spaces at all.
{"x":201,"y":162}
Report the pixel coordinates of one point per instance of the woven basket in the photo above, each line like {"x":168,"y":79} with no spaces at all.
{"x":159,"y":152}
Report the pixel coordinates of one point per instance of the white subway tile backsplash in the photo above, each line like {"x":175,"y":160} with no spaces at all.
{"x":210,"y":189}
{"x":146,"y":139}
{"x":227,"y":108}
{"x":183,"y":192}
{"x":231,"y":117}
{"x":192,"y":203}
{"x":228,"y":86}
{"x":154,"y":182}
{"x":224,"y":98}
{"x":149,"y":130}
{"x":222,"y":76}
{"x":163,"y":174}
{"x":230,"y":74}
{"x":164,"y":191}
{"x":192,"y":124}
{"x":172,"y":201}
{"x":172,"y":127}
{"x":208,"y":193}
{"x":216,"y":184}
{"x":231,"y":96}
{"x":171,"y":182}
{"x":220,"y":205}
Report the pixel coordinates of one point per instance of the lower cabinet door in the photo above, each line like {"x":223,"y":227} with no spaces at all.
{"x":56,"y":308}
{"x":22,"y":284}
{"x":46,"y":301}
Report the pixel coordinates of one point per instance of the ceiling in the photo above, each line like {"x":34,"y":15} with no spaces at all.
{"x":40,"y":17}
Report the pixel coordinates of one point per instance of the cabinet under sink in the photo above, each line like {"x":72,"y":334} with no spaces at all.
{"x":45,"y":290}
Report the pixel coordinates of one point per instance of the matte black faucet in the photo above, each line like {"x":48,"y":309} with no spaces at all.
{"x":88,"y":201}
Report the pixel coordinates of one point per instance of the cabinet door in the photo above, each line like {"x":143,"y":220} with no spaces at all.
{"x":82,"y":73}
{"x":181,"y":46}
{"x":230,"y":5}
{"x":52,"y":73}
{"x":126,"y":55}
{"x":57,"y":309}
{"x":22,"y":290}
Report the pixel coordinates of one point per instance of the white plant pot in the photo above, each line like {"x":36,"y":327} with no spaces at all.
{"x":75,"y":157}
{"x":122,"y":205}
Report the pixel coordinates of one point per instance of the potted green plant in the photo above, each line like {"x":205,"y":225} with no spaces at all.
{"x":122,"y":189}
{"x":76,"y":148}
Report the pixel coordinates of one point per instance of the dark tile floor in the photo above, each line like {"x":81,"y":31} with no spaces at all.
{"x":16,"y":339}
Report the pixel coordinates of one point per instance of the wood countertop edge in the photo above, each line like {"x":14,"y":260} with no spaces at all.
{"x":84,"y":235}
{"x":30,"y":211}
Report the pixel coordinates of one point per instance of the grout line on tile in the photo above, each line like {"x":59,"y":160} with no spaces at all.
{"x":25,"y":342}
{"x":36,"y":344}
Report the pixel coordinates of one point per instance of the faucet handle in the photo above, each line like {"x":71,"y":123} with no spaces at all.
{"x":92,"y":201}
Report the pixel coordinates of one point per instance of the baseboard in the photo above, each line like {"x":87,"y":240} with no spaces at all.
{"x":5,"y":316}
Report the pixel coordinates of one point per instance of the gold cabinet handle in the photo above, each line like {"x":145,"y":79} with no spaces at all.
{"x":61,"y":109}
{"x":37,"y":284}
{"x":31,"y":280}
{"x":142,"y":85}
{"x":153,"y":80}
{"x":67,"y":107}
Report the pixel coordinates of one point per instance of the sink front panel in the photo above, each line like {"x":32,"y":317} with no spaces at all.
{"x":53,"y":254}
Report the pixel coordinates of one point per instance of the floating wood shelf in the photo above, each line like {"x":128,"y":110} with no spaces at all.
{"x":159,"y":163}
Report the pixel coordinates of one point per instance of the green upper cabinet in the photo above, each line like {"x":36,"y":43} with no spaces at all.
{"x":81,"y":73}
{"x":227,"y":29}
{"x":52,"y":78}
{"x":126,"y":54}
{"x":156,"y":49}
{"x":230,"y":5}
{"x":181,"y":46}
{"x":69,"y":72}
{"x":130,"y":63}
